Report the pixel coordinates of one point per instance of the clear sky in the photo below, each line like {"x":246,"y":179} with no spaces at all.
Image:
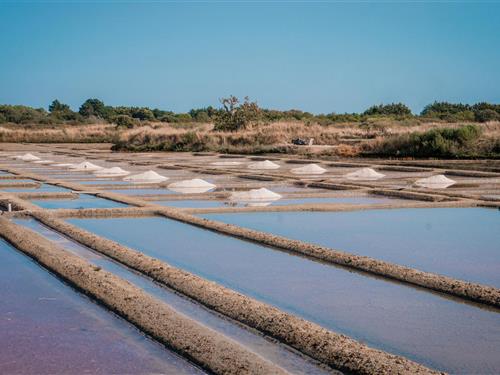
{"x":319,"y":56}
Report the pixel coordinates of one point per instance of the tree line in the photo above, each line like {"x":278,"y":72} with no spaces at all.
{"x":234,"y":114}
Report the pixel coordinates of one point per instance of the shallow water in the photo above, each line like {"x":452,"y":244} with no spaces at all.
{"x":103,"y":182}
{"x":84,"y":201}
{"x":281,"y":202}
{"x":274,"y":352}
{"x":44,"y":188}
{"x":423,"y":326}
{"x":152,"y":191}
{"x":459,"y":242}
{"x":48,"y":328}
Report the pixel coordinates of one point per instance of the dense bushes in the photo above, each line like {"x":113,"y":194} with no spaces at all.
{"x":234,"y":115}
{"x":393,"y":109}
{"x":480,"y":112}
{"x":438,"y":142}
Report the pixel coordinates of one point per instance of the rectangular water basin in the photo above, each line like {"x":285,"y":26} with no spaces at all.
{"x":84,"y":201}
{"x":48,"y":328}
{"x":282,"y":202}
{"x":44,"y":188}
{"x":459,"y":242}
{"x":276,"y":353}
{"x":423,"y":326}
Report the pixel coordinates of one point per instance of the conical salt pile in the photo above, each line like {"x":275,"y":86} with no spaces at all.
{"x":261,"y":194}
{"x":195,"y":186}
{"x":111,"y":172}
{"x":27,"y":157}
{"x":86,"y":166}
{"x":149,"y":177}
{"x":435,"y":182}
{"x":43,"y":161}
{"x":226,"y":163}
{"x":309,"y":169}
{"x":266,"y":164}
{"x":364,"y":174}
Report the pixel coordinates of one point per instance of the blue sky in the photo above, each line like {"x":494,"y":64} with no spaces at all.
{"x":316,"y":56}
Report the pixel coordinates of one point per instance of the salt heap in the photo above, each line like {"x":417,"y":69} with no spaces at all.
{"x":309,"y":169}
{"x":435,"y":182}
{"x":266,"y":164}
{"x":261,"y":194}
{"x":226,"y":163}
{"x":85,"y":166}
{"x":149,"y":177}
{"x":195,"y":186}
{"x":27,"y":157}
{"x":43,"y":161}
{"x":364,"y":174}
{"x":111,"y":172}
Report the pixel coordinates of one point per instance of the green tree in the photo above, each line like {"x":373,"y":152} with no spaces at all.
{"x":93,"y":107}
{"x":235,"y":115}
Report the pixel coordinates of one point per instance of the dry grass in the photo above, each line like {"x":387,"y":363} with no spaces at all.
{"x":58,"y":134}
{"x":343,"y":139}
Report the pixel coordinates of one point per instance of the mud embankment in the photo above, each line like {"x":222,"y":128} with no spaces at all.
{"x":202,"y":345}
{"x":338,"y":351}
{"x":459,"y":288}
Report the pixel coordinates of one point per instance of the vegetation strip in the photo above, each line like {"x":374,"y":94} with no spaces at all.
{"x":459,"y":288}
{"x":338,"y":351}
{"x":202,"y":345}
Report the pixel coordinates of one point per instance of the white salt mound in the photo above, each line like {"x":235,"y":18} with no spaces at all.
{"x":111,"y":172}
{"x":266,"y":164}
{"x":435,"y":182}
{"x":261,"y":194}
{"x":309,"y":169}
{"x":149,"y":177}
{"x":86,"y":166}
{"x":364,"y":174}
{"x":27,"y":157}
{"x":226,"y":163}
{"x":194,"y":186}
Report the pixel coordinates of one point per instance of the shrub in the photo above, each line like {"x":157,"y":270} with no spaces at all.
{"x":124,"y":121}
{"x":444,"y":142}
{"x":485,"y":115}
{"x":235,"y":115}
{"x":393,"y":109}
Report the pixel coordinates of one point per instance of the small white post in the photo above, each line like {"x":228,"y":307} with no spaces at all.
{"x":9,"y":207}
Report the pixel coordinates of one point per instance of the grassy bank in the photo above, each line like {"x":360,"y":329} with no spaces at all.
{"x":378,"y":136}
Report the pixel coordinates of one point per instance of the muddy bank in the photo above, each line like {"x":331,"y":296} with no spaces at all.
{"x":205,"y":347}
{"x":17,"y":185}
{"x":326,"y":207}
{"x":47,"y":195}
{"x":430,"y":197}
{"x":337,"y":351}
